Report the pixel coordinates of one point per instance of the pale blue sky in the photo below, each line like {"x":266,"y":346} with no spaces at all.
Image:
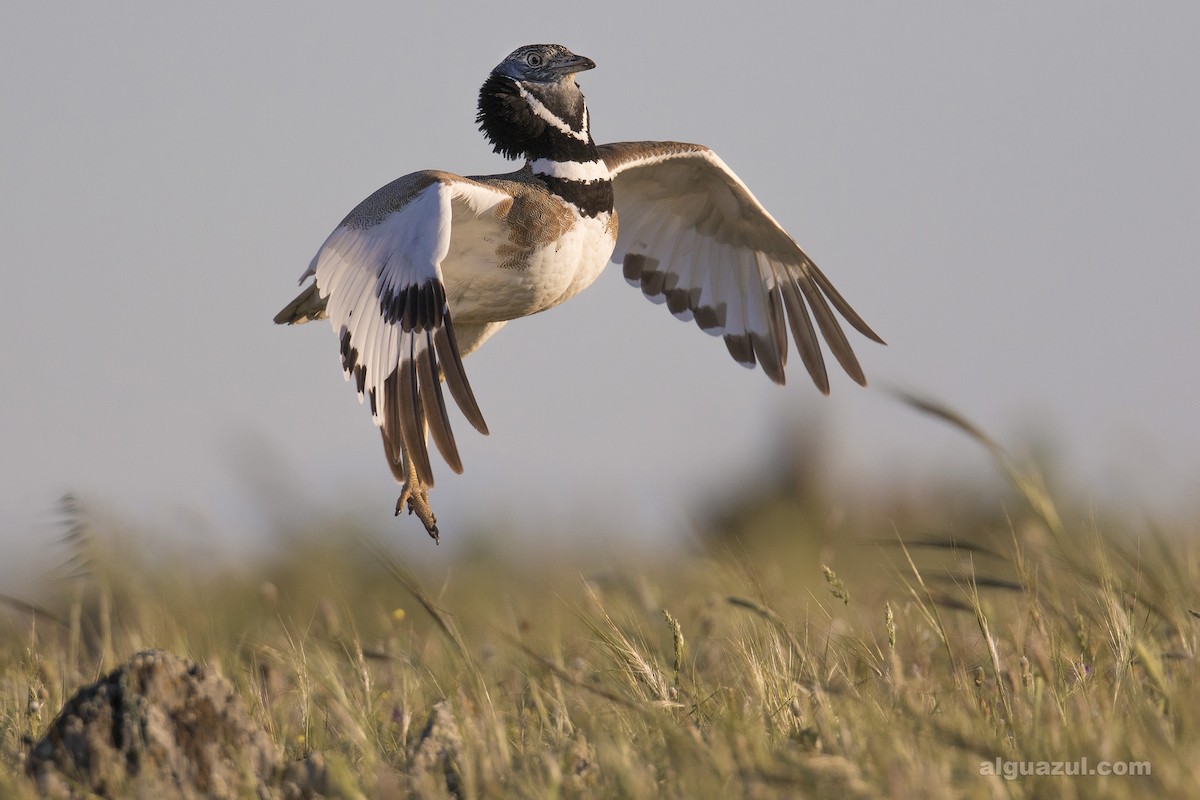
{"x":1009,"y":194}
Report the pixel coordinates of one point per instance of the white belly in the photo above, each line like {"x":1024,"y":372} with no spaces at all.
{"x":479,"y":289}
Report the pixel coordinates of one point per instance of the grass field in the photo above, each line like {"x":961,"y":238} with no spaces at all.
{"x":800,"y":648}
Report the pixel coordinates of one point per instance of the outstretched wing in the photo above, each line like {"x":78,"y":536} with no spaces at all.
{"x":380,"y":276}
{"x":692,"y":235}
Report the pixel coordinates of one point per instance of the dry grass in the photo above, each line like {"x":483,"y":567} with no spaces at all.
{"x":796,"y":653}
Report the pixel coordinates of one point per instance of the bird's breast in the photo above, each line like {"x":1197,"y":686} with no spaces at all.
{"x":532,"y":267}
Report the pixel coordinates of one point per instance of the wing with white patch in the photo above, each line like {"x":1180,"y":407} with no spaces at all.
{"x":380,"y":276}
{"x":693,"y":236}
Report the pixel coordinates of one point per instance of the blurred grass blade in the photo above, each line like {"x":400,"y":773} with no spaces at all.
{"x":1029,"y":483}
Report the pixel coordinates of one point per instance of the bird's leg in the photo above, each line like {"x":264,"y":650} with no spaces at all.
{"x":415,"y":495}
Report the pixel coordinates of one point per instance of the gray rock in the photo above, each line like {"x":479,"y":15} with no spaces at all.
{"x":159,"y":726}
{"x":433,"y":762}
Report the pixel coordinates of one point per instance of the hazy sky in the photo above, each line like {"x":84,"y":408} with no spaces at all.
{"x":1010,"y":195}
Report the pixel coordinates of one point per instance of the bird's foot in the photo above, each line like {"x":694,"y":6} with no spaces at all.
{"x":415,"y":495}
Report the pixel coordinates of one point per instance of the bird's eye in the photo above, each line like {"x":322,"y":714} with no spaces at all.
{"x":534,"y":59}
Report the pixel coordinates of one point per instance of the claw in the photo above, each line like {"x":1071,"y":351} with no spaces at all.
{"x":415,"y":495}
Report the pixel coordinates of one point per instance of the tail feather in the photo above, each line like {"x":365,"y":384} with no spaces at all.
{"x":305,"y":308}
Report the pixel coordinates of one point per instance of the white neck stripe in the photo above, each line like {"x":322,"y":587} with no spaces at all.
{"x":549,"y":116}
{"x":584,"y":171}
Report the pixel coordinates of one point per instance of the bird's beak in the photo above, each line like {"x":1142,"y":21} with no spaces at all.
{"x":573,"y":64}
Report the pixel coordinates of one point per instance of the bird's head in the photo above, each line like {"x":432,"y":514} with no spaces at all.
{"x":543,"y":63}
{"x":530,"y":105}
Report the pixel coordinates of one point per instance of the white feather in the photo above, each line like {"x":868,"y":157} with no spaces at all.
{"x":720,"y":244}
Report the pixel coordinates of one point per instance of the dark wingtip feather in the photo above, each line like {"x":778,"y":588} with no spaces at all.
{"x":827,"y":322}
{"x":456,"y":378}
{"x":412,"y":417}
{"x":805,"y":336}
{"x":434,"y":403}
{"x":841,"y":305}
{"x":770,"y":356}
{"x":391,"y":448}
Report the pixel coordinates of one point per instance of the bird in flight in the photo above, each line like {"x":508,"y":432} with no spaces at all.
{"x":426,"y":269}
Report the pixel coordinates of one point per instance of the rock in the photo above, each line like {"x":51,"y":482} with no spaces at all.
{"x":433,"y":761}
{"x":159,"y":726}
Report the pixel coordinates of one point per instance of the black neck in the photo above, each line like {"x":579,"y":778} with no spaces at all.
{"x":517,"y":131}
{"x":545,"y":122}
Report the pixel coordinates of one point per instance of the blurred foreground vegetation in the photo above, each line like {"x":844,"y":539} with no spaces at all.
{"x":798,"y":649}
